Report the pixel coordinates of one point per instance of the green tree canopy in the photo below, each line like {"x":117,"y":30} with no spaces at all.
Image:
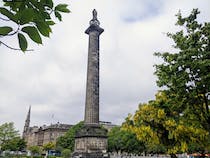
{"x":67,"y":141}
{"x":35,"y":150}
{"x":7,"y":133}
{"x":14,"y":144}
{"x":66,"y":153}
{"x":186,"y":74}
{"x":124,"y":141}
{"x":49,"y":146}
{"x":178,"y":120}
{"x":28,"y":19}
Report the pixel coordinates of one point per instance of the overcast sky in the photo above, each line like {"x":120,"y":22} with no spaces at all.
{"x":52,"y":78}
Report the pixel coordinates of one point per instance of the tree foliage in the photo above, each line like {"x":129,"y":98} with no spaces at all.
{"x":28,"y":19}
{"x":163,"y":130}
{"x":7,"y":133}
{"x":186,"y":74}
{"x":66,"y":153}
{"x":35,"y":150}
{"x":124,"y":141}
{"x":67,"y":141}
{"x":178,"y":120}
{"x":49,"y":146}
{"x":14,"y":144}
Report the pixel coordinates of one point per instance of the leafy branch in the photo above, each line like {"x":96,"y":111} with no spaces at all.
{"x":34,"y":20}
{"x":12,"y":47}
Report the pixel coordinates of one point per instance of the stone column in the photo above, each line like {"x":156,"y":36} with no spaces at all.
{"x":91,"y":139}
{"x":92,"y":85}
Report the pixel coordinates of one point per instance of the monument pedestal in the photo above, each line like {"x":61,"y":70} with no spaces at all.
{"x":91,"y":142}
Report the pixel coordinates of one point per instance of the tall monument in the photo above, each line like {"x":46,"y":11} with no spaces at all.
{"x":91,"y":140}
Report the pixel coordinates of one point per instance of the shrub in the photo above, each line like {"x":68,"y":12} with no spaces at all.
{"x":66,"y":153}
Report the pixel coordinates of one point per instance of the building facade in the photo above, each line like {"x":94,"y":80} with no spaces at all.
{"x":38,"y":136}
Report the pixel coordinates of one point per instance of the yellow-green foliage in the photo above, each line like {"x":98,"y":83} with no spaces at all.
{"x":152,"y":125}
{"x":179,"y":118}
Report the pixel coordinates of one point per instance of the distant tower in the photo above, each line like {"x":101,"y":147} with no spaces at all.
{"x":91,"y":140}
{"x":27,"y":123}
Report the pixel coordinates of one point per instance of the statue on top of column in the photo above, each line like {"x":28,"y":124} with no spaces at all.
{"x":94,"y":20}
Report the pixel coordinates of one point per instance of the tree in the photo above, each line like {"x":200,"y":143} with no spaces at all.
{"x":164,"y":130}
{"x":28,"y":19}
{"x":35,"y":150}
{"x":14,"y":144}
{"x":49,"y":146}
{"x":185,"y":75}
{"x":7,"y":133}
{"x":67,"y":141}
{"x":178,"y":119}
{"x":124,"y":141}
{"x":66,"y":153}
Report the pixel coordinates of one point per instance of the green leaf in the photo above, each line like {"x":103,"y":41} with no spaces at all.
{"x":46,"y":15}
{"x":43,"y":28}
{"x":8,"y":14}
{"x":62,"y":8}
{"x":50,"y":22}
{"x":58,"y":15}
{"x":38,"y":5}
{"x":48,"y":3}
{"x":32,"y":33}
{"x":26,"y":16}
{"x":5,"y":30}
{"x":22,"y":42}
{"x":38,"y":16}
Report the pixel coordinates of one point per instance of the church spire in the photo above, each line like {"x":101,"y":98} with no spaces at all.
{"x":27,"y":122}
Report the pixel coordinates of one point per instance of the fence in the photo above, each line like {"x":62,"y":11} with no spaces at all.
{"x":149,"y":156}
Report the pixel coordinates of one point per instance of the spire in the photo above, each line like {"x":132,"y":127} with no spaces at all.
{"x":27,"y":122}
{"x":29,"y":113}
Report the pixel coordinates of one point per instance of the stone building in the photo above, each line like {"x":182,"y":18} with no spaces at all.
{"x":38,"y":136}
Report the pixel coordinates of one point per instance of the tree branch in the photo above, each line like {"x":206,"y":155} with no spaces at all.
{"x":14,"y":32}
{"x":4,"y":19}
{"x":13,"y":48}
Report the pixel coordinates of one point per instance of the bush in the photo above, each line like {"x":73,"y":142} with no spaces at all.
{"x":66,"y":153}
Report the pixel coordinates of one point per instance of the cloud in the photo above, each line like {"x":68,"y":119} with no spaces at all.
{"x":52,"y":79}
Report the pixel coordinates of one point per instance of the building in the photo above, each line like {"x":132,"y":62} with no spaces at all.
{"x":38,"y":136}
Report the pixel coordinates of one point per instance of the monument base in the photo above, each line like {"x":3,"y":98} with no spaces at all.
{"x":91,"y":142}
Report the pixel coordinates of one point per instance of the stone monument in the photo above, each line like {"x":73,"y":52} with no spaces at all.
{"x":91,"y":140}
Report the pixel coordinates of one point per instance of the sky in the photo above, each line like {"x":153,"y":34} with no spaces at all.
{"x":52,"y":78}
